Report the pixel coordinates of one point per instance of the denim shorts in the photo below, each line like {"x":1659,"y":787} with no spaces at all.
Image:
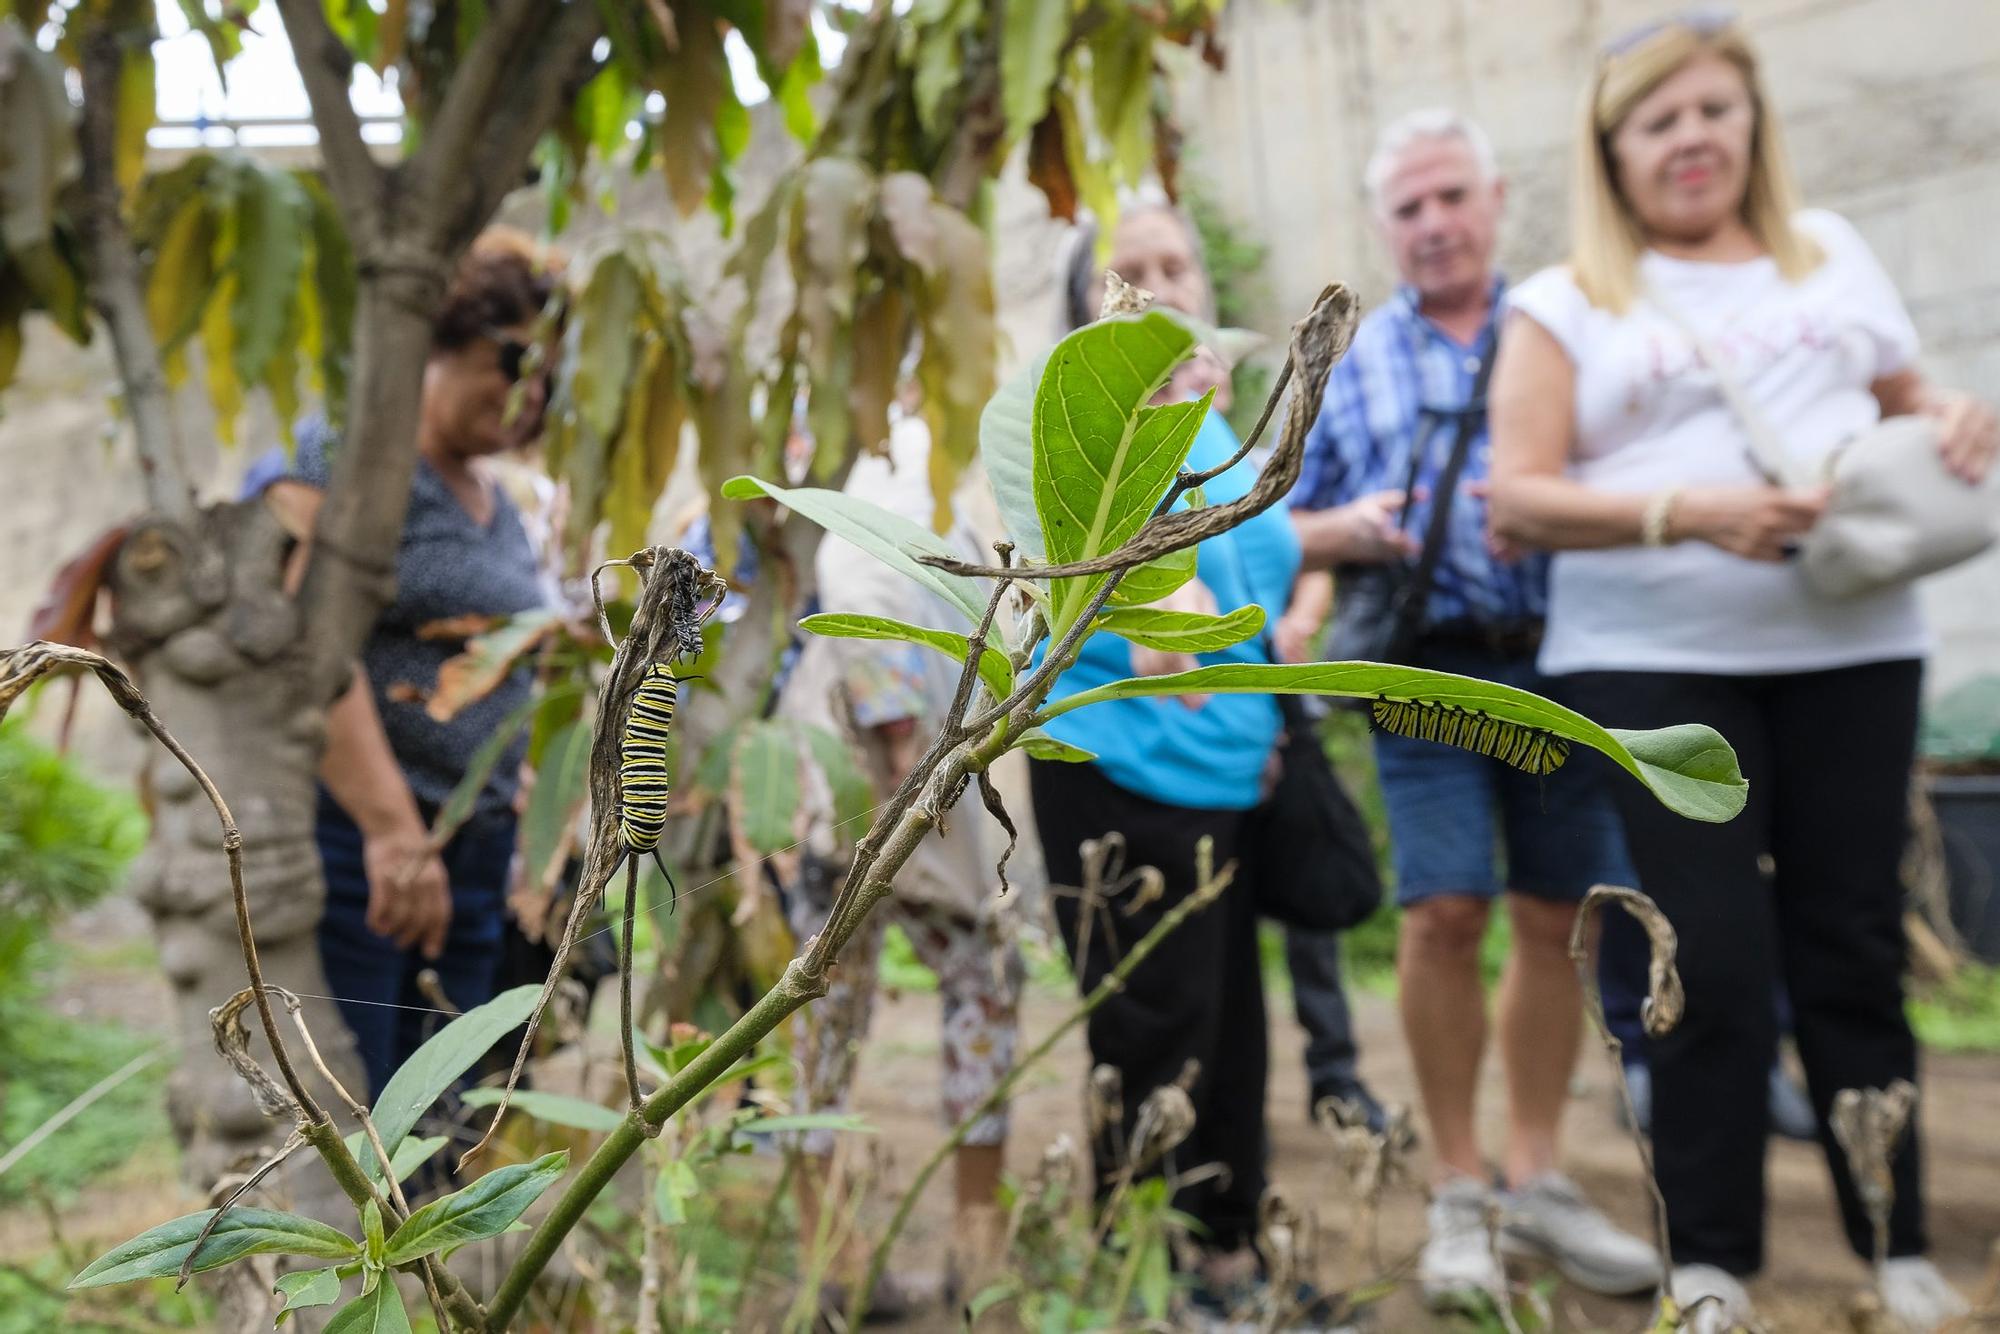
{"x":1465,"y":824}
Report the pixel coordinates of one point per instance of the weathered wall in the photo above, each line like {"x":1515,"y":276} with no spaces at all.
{"x":1892,"y":109}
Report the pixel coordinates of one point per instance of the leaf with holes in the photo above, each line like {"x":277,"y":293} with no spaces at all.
{"x":1182,"y":631}
{"x":1690,"y":768}
{"x":486,"y":1208}
{"x":159,"y":1252}
{"x":994,"y":668}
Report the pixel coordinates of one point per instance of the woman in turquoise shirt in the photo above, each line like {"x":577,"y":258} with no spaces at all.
{"x":1170,"y":771}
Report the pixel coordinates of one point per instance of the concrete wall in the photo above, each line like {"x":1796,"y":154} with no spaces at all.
{"x":1892,"y":109}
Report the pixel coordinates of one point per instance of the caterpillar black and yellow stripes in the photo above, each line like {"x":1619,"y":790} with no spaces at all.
{"x":643,"y":784}
{"x":1524,"y":747}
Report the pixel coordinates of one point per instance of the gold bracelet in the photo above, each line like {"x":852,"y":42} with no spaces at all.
{"x":1659,"y":517}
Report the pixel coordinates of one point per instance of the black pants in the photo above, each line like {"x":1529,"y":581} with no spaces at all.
{"x":1827,"y":755}
{"x":1320,"y":1000}
{"x":1198,"y":997}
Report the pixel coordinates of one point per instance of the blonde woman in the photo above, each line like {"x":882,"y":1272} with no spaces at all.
{"x":1672,"y":600}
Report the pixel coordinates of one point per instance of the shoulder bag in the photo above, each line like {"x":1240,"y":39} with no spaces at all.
{"x":1896,"y":513}
{"x":1378,"y":609}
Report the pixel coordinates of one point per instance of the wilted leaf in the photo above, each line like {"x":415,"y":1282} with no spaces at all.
{"x":437,"y":1065}
{"x":40,"y":157}
{"x":486,"y":1208}
{"x":878,"y":341}
{"x":994,"y":669}
{"x":693,"y":80}
{"x":377,"y":1311}
{"x":647,"y":447}
{"x":1121,"y":91}
{"x":940,"y":56}
{"x":1089,"y":173}
{"x":1048,"y":167}
{"x":906,"y":207}
{"x":558,"y":1109}
{"x":888,"y":537}
{"x":960,"y":345}
{"x":1182,"y":631}
{"x":1690,"y":768}
{"x":830,"y":241}
{"x":487,"y":660}
{"x":764,"y":788}
{"x":159,"y":1252}
{"x":1031,"y":42}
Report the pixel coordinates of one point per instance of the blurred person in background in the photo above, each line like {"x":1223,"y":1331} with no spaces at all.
{"x":1169,"y":772}
{"x":1673,"y":601}
{"x":395,"y":904}
{"x":1402,"y":425}
{"x":888,"y":699}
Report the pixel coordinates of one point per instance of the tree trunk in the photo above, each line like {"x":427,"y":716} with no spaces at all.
{"x":215,"y":644}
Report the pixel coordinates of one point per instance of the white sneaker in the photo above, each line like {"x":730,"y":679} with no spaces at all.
{"x":1458,"y":1264}
{"x":1723,"y":1304}
{"x":1918,"y":1296}
{"x":1550,"y":1218}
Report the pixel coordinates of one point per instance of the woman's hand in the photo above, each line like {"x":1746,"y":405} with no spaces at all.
{"x":1294,"y":637}
{"x":1190,"y":596}
{"x":409,"y":893}
{"x":1755,"y":522}
{"x":1970,"y":433}
{"x":1361,"y":532}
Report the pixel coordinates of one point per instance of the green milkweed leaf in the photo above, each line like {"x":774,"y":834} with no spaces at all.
{"x":558,"y":1109}
{"x":1182,"y":631}
{"x":994,"y":669}
{"x":437,"y":1065}
{"x":376,"y":1311}
{"x":1690,"y":768}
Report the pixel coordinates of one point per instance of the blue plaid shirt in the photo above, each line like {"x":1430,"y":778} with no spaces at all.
{"x":1403,"y":386}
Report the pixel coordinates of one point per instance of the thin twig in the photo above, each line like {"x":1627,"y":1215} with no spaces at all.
{"x":626,"y":1039}
{"x":1204,"y":893}
{"x":293,"y":1141}
{"x":1660,"y":1013}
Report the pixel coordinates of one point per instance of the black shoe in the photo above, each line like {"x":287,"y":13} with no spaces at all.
{"x":1353,"y":1101}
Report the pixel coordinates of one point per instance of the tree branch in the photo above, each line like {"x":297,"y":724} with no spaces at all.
{"x":327,"y":68}
{"x":116,"y":291}
{"x":529,"y":61}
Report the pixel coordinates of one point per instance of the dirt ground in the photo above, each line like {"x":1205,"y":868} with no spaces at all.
{"x":1810,"y":1277}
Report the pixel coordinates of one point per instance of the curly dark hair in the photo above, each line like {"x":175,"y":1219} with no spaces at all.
{"x":494,"y":288}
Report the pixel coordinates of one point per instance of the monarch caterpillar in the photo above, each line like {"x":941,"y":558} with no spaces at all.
{"x":1524,"y":747}
{"x":643,"y":785}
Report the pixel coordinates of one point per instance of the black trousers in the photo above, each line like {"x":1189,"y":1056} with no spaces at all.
{"x":1319,"y":998}
{"x":1198,"y":997}
{"x":1827,"y":755}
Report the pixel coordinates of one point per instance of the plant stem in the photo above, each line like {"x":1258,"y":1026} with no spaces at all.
{"x":1112,"y":982}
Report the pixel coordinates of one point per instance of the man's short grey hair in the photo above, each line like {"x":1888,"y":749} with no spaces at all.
{"x":1417,"y":126}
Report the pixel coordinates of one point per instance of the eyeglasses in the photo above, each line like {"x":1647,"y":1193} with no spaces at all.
{"x":1702,"y":21}
{"x":513,"y":356}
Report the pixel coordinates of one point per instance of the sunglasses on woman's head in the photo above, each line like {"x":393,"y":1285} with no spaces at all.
{"x":1702,"y":21}
{"x":512,"y":354}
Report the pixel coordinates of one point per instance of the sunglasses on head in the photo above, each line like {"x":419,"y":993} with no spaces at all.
{"x":1702,"y":21}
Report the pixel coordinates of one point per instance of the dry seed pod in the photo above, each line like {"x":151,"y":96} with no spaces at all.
{"x":1104,"y":1097}
{"x":1165,"y":1119}
{"x":232,"y":1043}
{"x":1869,"y":1125}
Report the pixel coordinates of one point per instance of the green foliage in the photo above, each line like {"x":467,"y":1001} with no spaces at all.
{"x":1182,"y":631}
{"x":64,"y":840}
{"x":994,"y":669}
{"x":438,"y":1064}
{"x":1962,"y":1014}
{"x":1962,"y":726}
{"x":486,"y":1208}
{"x":1690,"y":768}
{"x":379,"y":1310}
{"x":47,"y":1060}
{"x":159,"y":1252}
{"x":558,"y":1109}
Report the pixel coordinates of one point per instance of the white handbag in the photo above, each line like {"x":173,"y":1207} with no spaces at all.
{"x":1896,"y":513}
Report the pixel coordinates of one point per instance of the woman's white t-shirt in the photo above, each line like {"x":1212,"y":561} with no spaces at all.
{"x":1649,"y":415}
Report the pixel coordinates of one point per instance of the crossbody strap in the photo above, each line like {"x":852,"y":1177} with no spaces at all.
{"x":1767,"y":452}
{"x":1415,"y":593}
